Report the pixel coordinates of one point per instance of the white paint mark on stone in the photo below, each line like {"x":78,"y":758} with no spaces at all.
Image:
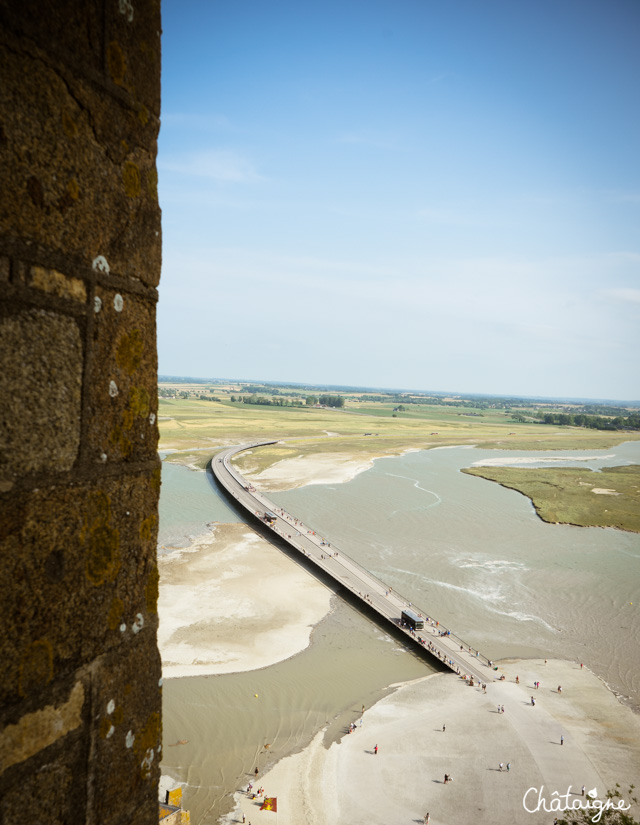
{"x":118,"y":302}
{"x":111,"y":707}
{"x":138,"y":624}
{"x":97,"y":304}
{"x":113,"y":389}
{"x":130,"y":739}
{"x":126,"y":8}
{"x":110,"y":732}
{"x":152,"y":419}
{"x":100,"y":264}
{"x":146,"y":762}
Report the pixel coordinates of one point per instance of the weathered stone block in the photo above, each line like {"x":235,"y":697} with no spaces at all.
{"x":133,"y":50}
{"x":38,"y":730}
{"x":77,"y":171}
{"x":52,"y":791}
{"x":123,"y":397}
{"x":79,"y":577}
{"x":41,"y":362}
{"x":72,"y":28}
{"x":58,"y":284}
{"x":127,"y":735}
{"x":79,"y":693}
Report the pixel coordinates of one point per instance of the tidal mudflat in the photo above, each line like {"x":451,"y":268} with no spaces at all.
{"x":489,"y":601}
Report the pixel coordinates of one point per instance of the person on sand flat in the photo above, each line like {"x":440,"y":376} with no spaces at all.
{"x":375,"y":750}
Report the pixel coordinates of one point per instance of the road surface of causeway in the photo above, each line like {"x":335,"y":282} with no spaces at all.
{"x":386,"y":602}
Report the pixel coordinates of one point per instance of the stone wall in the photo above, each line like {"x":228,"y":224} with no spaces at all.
{"x":80,"y":695}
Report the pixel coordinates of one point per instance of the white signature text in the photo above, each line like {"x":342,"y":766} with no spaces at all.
{"x":533,"y":801}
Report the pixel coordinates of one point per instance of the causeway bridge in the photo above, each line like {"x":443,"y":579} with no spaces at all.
{"x":438,"y":640}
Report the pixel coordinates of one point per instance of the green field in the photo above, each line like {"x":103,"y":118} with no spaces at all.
{"x":190,"y":424}
{"x":193,"y":430}
{"x":566,"y":495}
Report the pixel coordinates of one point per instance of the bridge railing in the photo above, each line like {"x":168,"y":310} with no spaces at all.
{"x":385,"y":587}
{"x":443,"y":630}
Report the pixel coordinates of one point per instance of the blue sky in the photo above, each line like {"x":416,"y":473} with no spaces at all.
{"x":403,"y":193}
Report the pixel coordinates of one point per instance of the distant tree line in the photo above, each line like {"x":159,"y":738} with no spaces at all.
{"x":325,"y":400}
{"x":593,"y":422}
{"x":423,"y":400}
{"x":596,"y":409}
{"x":280,"y":401}
{"x":331,"y":400}
{"x":260,"y":400}
{"x":255,"y":389}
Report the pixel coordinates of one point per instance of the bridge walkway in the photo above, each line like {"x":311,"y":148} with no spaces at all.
{"x":440,"y":641}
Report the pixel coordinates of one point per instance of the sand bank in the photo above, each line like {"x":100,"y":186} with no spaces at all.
{"x":349,"y":785}
{"x":508,"y":462}
{"x":232,"y":602}
{"x":321,"y":468}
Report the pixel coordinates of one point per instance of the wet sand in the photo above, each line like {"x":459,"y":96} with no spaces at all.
{"x":233,"y":602}
{"x":205,"y":586}
{"x":332,"y":468}
{"x":349,"y":784}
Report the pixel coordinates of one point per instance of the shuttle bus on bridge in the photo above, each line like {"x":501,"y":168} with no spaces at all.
{"x":412,"y":619}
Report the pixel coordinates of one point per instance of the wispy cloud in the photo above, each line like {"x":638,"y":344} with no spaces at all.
{"x":216,"y":164}
{"x":628,"y":295}
{"x":436,"y":78}
{"x":445,"y":215}
{"x":458,"y":216}
{"x":196,"y":120}
{"x":616,"y":196}
{"x":365,"y":139}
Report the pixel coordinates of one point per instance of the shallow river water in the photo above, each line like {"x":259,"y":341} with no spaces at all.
{"x":470,"y":553}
